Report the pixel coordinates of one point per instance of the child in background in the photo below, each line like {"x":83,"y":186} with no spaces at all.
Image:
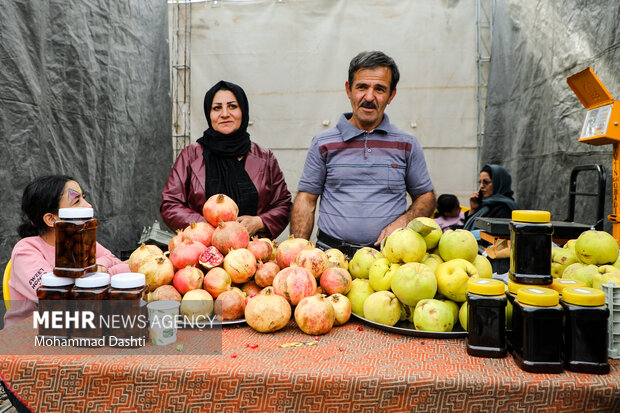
{"x":449,"y":214}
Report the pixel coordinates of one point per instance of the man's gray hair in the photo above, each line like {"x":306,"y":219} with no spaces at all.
{"x":373,"y":60}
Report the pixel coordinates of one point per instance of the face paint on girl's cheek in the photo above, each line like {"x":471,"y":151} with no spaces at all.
{"x":72,"y":194}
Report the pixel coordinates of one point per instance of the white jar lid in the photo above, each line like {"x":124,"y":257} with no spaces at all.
{"x":64,"y":213}
{"x":128,"y":280}
{"x":50,"y":280}
{"x":95,"y":279}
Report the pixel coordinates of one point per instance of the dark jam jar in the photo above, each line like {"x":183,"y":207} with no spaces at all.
{"x":585,"y":330}
{"x":511,"y":295}
{"x":530,"y":247}
{"x":76,"y":242}
{"x":54,"y":295}
{"x":128,"y":312}
{"x":90,"y":295}
{"x":537,"y":330}
{"x":486,"y":319}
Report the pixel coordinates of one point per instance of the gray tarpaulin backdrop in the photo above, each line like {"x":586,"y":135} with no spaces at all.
{"x":84,"y":90}
{"x":533,"y":118}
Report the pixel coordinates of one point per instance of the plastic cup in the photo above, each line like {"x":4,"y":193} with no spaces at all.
{"x":162,"y":316}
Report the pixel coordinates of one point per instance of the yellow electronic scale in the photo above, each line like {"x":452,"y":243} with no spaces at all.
{"x":601,"y":127}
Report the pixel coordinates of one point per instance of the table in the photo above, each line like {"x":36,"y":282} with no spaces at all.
{"x":353,"y":368}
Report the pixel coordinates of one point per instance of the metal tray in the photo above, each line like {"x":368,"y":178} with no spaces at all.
{"x":407,"y":328}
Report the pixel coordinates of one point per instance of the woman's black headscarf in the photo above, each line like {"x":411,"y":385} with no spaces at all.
{"x":225,"y":173}
{"x":502,"y":193}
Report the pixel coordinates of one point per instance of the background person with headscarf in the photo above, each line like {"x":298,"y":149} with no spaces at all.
{"x":494,"y":196}
{"x":225,"y":161}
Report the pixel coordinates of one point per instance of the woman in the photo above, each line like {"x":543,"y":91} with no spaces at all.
{"x":225,"y":161}
{"x":494,"y":196}
{"x":35,"y":254}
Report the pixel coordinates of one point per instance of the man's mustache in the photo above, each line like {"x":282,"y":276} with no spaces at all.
{"x":368,"y":105}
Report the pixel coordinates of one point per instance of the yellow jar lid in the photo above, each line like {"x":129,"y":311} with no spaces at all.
{"x":513,"y":287}
{"x":583,"y":296}
{"x":538,"y":296}
{"x":485,"y":286}
{"x":529,"y":215}
{"x":560,"y":284}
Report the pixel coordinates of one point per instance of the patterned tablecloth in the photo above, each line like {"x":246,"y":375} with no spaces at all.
{"x":353,"y":368}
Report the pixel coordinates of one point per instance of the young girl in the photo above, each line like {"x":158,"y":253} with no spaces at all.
{"x":35,"y":254}
{"x":449,"y":214}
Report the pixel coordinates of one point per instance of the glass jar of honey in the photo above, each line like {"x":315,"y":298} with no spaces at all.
{"x":530,"y":247}
{"x":128,"y":312}
{"x":585,"y":330}
{"x":54,"y":295}
{"x":76,"y":242}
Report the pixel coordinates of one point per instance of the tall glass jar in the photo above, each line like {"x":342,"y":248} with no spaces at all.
{"x":128,"y":312}
{"x":90,"y":294}
{"x":76,"y":242}
{"x":54,"y":295}
{"x":530,"y":247}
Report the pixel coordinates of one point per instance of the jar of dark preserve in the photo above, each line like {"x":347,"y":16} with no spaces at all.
{"x":128,"y":312}
{"x":76,"y":242}
{"x":530,"y":247}
{"x":511,"y":295}
{"x":585,"y":330}
{"x":486,"y":305}
{"x":537,"y":330}
{"x":54,"y":294}
{"x":90,"y":293}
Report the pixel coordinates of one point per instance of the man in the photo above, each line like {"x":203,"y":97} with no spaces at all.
{"x":363,"y":167}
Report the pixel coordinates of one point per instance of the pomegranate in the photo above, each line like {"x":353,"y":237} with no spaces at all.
{"x":176,"y":240}
{"x":312,"y":259}
{"x":232,"y":304}
{"x":250,"y":288}
{"x":267,"y":311}
{"x":211,"y":258}
{"x":186,"y":253}
{"x":288,"y":250}
{"x":143,"y":251}
{"x":294,"y":283}
{"x":274,"y":246}
{"x":229,"y":235}
{"x":336,"y":258}
{"x":187,"y":279}
{"x":240,"y":264}
{"x":261,"y":249}
{"x":220,"y":208}
{"x":265,"y":273}
{"x":157,"y":270}
{"x":197,"y":306}
{"x":216,"y":281}
{"x":342,"y":308}
{"x":199,"y":231}
{"x":165,"y":292}
{"x":315,"y":315}
{"x":336,"y":280}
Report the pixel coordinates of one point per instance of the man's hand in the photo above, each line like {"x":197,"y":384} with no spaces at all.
{"x":422,"y":206}
{"x":252,"y":223}
{"x":302,"y":216}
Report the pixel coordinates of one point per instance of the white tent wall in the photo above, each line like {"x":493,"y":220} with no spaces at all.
{"x":292,"y":60}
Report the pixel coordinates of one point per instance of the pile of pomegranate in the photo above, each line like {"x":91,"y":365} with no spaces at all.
{"x":216,"y":262}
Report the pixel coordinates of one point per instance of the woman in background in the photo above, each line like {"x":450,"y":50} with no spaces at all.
{"x":35,"y":254}
{"x":225,"y":161}
{"x":494,"y":196}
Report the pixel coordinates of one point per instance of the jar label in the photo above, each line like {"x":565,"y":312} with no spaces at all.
{"x":582,"y":291}
{"x":535,"y":291}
